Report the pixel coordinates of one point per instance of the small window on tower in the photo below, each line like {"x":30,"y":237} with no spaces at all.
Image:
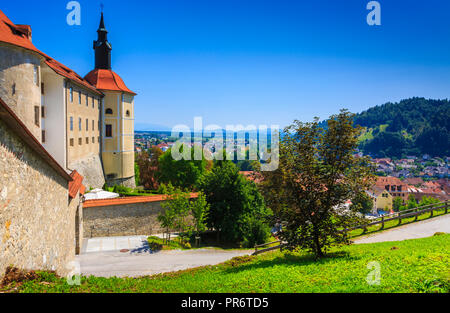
{"x":13,"y":89}
{"x":43,"y":112}
{"x":71,"y":142}
{"x":79,"y":97}
{"x":128,"y":113}
{"x":37,"y":114}
{"x":36,"y":75}
{"x":108,"y":132}
{"x":109,"y":112}
{"x":71,"y":94}
{"x":43,"y":136}
{"x":42,"y":88}
{"x":71,"y":123}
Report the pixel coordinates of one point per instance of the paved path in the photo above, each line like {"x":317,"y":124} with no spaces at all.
{"x":421,"y":229}
{"x":140,"y":261}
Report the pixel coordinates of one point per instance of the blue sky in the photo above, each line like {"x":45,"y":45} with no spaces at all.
{"x":253,"y":62}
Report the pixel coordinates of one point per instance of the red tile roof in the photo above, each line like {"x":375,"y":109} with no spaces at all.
{"x":127,"y":200}
{"x":19,"y":35}
{"x":15,"y":34}
{"x":76,"y":185}
{"x":63,"y":70}
{"x":107,"y":80}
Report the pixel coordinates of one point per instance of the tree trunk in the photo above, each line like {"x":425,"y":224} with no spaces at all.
{"x":319,"y":252}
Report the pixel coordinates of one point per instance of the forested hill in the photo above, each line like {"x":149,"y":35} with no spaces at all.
{"x":413,"y":126}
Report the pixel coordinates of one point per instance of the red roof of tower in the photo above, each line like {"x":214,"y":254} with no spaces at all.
{"x":107,"y":80}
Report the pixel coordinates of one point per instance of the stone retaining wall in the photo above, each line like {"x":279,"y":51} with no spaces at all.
{"x":37,"y":222}
{"x":122,"y":220}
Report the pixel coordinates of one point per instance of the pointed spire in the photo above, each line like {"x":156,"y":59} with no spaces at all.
{"x":102,"y":47}
{"x":102,"y":24}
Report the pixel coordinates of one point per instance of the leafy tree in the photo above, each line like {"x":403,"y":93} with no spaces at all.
{"x":175,"y":211}
{"x":185,"y":174}
{"x":137,"y":175}
{"x":362,"y":203}
{"x":148,"y":168}
{"x":319,"y":171}
{"x":397,"y":203}
{"x":428,"y":200}
{"x":237,"y":210}
{"x":199,"y":209}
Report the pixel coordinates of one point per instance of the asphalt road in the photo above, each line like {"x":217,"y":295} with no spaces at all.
{"x":140,"y":261}
{"x":417,"y":230}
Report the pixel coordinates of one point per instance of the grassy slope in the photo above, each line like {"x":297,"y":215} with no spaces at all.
{"x":421,"y":265}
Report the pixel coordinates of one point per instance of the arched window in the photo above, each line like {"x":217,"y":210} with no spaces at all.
{"x":109,"y":111}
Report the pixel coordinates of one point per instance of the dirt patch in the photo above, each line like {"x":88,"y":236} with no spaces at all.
{"x":240,"y":260}
{"x":16,"y":275}
{"x":395,"y":248}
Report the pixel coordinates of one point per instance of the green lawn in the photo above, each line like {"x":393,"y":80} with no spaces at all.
{"x":421,"y":265}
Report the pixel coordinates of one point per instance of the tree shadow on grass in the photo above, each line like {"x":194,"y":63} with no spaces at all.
{"x":289,"y":258}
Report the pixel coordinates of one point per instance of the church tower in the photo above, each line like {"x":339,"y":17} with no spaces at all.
{"x":117,"y":115}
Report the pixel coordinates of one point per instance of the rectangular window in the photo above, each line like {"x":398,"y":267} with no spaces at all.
{"x":93,"y":102}
{"x":87,"y":140}
{"x":87,"y":125}
{"x":87,"y":100}
{"x":36,"y":75}
{"x":108,"y":132}
{"x":42,"y":88}
{"x":79,"y":124}
{"x":79,"y":97}
{"x":93,"y":125}
{"x":71,"y":94}
{"x":80,"y":141}
{"x":37,"y":114}
{"x":43,"y":112}
{"x":71,"y":123}
{"x":93,"y":140}
{"x":43,"y":136}
{"x":71,"y":142}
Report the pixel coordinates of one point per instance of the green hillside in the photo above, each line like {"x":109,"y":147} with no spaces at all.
{"x":410,"y":266}
{"x":413,"y":126}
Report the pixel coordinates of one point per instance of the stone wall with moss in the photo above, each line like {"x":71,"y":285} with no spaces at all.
{"x":37,"y":222}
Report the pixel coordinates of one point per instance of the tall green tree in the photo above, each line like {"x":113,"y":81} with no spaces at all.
{"x":319,"y":171}
{"x":185,"y":174}
{"x":237,"y":209}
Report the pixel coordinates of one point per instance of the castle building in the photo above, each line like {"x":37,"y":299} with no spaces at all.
{"x":86,"y":124}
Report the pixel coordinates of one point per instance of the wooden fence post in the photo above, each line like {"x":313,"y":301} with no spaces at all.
{"x":400,"y":218}
{"x":382,"y":223}
{"x":417,"y":215}
{"x":432,"y":212}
